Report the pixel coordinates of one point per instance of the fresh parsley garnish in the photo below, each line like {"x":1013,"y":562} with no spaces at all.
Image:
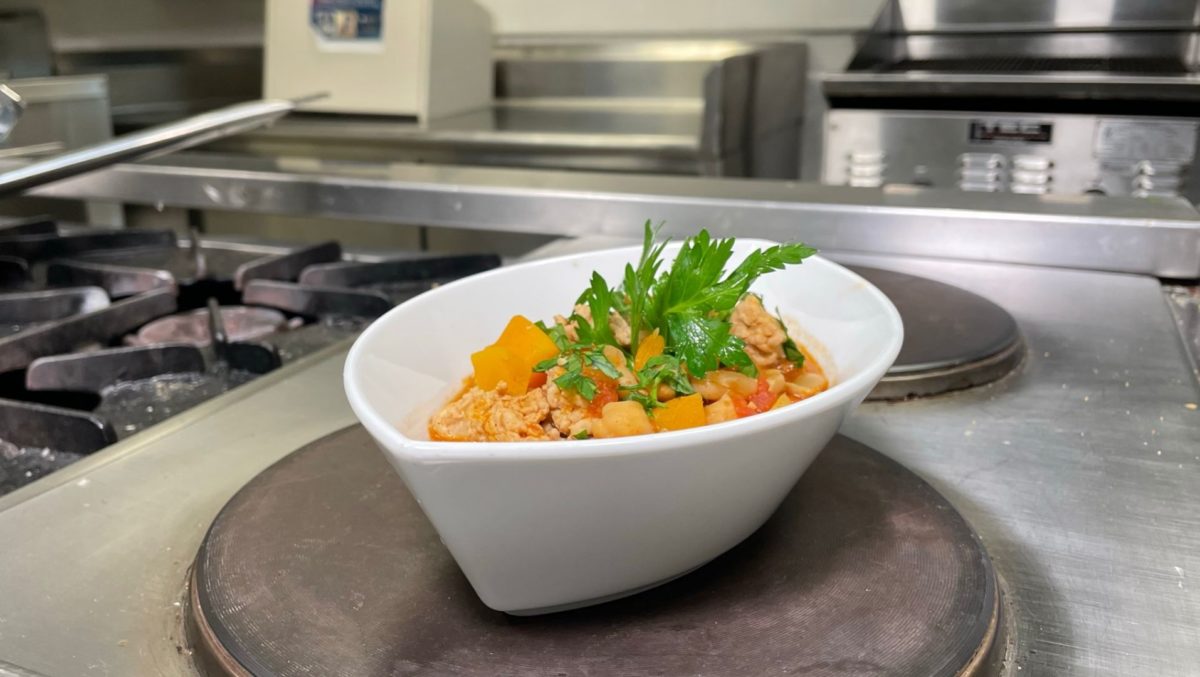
{"x":689,"y":304}
{"x":790,"y":350}
{"x":638,"y":282}
{"x":659,"y":370}
{"x":574,"y":361}
{"x":599,"y":300}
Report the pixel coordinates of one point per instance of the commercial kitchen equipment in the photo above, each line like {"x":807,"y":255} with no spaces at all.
{"x":422,"y":59}
{"x":717,"y":107}
{"x":1076,"y":467}
{"x":1030,"y":97}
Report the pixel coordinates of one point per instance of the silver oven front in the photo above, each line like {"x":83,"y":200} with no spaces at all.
{"x":1016,"y":152}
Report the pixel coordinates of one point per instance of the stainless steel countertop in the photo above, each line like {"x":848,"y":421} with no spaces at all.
{"x":624,"y":126}
{"x":1081,"y":472}
{"x":629,"y":136}
{"x":1158,"y":236}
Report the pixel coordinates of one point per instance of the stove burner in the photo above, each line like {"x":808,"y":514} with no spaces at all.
{"x":36,"y":440}
{"x":953,"y":339}
{"x":324,"y":564}
{"x":22,"y":465}
{"x":131,"y":406}
{"x":119,"y":281}
{"x":70,"y":333}
{"x":242,"y":323}
{"x":397,"y":279}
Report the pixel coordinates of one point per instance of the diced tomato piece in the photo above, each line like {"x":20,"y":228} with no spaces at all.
{"x":537,"y":380}
{"x":606,"y":391}
{"x":741,"y":406}
{"x":763,"y":398}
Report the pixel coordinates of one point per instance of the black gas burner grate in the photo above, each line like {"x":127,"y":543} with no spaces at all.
{"x":128,"y":328}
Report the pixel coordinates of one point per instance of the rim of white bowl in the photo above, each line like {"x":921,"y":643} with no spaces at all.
{"x":439,"y":451}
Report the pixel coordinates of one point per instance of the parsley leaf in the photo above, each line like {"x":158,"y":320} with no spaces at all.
{"x":577,"y":381}
{"x":705,"y":344}
{"x":599,"y":299}
{"x":597,"y":359}
{"x":638,"y":282}
{"x":557,"y":333}
{"x":691,"y":303}
{"x":573,"y":361}
{"x":660,"y":369}
{"x":790,"y":350}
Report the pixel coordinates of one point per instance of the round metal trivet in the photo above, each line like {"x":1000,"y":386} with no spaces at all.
{"x":325,"y":565}
{"x":953,"y":339}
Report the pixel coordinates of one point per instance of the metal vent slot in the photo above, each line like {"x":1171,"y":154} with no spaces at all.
{"x":1020,"y":64}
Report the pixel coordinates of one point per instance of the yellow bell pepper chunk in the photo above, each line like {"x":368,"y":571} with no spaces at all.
{"x":494,"y":364}
{"x":525,"y":340}
{"x":651,"y":346}
{"x":680,"y":413}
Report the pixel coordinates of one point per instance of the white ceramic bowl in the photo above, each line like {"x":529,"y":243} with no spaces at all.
{"x":544,"y":526}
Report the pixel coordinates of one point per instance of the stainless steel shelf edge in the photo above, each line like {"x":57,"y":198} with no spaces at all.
{"x":1052,"y":85}
{"x":1149,"y":236}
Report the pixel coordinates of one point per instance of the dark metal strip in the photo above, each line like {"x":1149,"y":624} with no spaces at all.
{"x":38,"y":425}
{"x":50,"y":304}
{"x":38,"y":247}
{"x":35,"y":225}
{"x":119,"y":281}
{"x":397,"y":270}
{"x":104,"y":325}
{"x":286,"y":266}
{"x":93,"y":372}
{"x":315,"y":301}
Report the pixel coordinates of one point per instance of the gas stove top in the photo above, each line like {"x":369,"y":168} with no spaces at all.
{"x":106,"y":333}
{"x":1077,"y":468}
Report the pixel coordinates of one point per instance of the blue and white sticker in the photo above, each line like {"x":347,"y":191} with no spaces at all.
{"x":348,"y":20}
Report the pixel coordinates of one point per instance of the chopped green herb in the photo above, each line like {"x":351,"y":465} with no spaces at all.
{"x":576,"y":381}
{"x":596,"y":358}
{"x":689,"y":304}
{"x":582,"y":435}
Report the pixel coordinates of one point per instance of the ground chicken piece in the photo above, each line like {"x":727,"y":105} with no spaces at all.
{"x":492,"y":416}
{"x":617,"y":359}
{"x":570,"y":327}
{"x":567,"y":409}
{"x":620,"y":327}
{"x":763,"y":334}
